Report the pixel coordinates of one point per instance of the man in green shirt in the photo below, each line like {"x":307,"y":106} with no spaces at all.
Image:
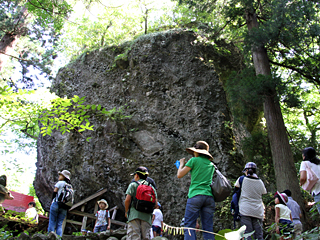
{"x":139,"y":223}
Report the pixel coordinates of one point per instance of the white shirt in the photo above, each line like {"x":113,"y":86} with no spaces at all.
{"x":102,"y":216}
{"x":60,"y":186}
{"x":158,"y":217}
{"x":31,"y":213}
{"x":316,"y":169}
{"x":250,"y":202}
{"x":284,"y":211}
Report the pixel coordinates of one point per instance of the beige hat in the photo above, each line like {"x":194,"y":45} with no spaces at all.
{"x":201,"y":147}
{"x":66,"y":174}
{"x":104,"y":201}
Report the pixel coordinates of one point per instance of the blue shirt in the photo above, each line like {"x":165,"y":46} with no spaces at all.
{"x":295,"y":210}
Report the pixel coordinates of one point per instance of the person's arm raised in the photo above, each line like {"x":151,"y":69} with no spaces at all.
{"x":183,"y":170}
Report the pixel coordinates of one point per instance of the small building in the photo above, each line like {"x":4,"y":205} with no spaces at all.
{"x":19,"y":203}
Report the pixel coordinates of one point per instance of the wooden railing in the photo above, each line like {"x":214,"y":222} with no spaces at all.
{"x":86,"y":215}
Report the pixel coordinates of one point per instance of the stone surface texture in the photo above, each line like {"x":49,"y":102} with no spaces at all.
{"x":168,"y":84}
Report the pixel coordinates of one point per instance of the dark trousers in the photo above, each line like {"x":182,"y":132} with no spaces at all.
{"x":252,"y":224}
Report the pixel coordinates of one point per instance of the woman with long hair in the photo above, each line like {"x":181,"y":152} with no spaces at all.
{"x":310,"y":160}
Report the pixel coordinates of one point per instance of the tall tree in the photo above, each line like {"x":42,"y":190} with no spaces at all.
{"x":37,"y":24}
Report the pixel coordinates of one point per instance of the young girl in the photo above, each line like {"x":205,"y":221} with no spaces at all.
{"x":283,"y":216}
{"x":32,"y":213}
{"x":102,"y":216}
{"x":57,"y":211}
{"x":157,"y":221}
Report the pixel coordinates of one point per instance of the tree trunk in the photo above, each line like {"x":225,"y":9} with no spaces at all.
{"x":7,"y":44}
{"x":285,"y":172}
{"x":8,"y":41}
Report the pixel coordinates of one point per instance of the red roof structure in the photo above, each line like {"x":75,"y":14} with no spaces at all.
{"x":19,"y":203}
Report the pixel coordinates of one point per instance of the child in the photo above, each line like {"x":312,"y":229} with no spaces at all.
{"x":283,"y":216}
{"x":102,"y":215}
{"x":31,"y":212}
{"x":157,"y":220}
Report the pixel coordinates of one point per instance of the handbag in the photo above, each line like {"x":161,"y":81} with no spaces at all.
{"x":312,"y":179}
{"x":220,"y":186}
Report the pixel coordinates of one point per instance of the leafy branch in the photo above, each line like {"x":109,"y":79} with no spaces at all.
{"x":61,"y":114}
{"x":68,"y":115}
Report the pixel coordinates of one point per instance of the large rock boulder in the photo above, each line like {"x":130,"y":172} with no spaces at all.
{"x":167,"y":83}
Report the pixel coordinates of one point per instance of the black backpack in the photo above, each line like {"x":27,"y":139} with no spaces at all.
{"x":66,"y":197}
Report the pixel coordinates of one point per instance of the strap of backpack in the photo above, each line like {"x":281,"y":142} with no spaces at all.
{"x":132,"y":198}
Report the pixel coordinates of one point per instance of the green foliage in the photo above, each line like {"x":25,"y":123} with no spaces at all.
{"x":257,"y":149}
{"x":312,"y":234}
{"x":20,"y":110}
{"x":35,"y":26}
{"x":32,"y":192}
{"x":246,"y":93}
{"x":17,"y":217}
{"x":302,"y":119}
{"x":4,"y":234}
{"x":68,"y":115}
{"x":222,"y":232}
{"x":109,"y":25}
{"x":50,"y":12}
{"x":77,"y":234}
{"x":62,"y":114}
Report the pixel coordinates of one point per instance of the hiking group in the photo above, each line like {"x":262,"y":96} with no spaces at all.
{"x":142,"y":208}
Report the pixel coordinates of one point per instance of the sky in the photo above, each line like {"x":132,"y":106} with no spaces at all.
{"x":18,"y":165}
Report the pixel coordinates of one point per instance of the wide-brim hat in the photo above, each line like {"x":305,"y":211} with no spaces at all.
{"x":103,"y":201}
{"x":201,"y":147}
{"x":65,"y":173}
{"x":283,"y":197}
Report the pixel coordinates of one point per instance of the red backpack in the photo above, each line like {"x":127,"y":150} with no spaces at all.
{"x":145,"y":199}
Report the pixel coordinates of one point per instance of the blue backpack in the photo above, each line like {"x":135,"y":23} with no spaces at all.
{"x":235,"y":202}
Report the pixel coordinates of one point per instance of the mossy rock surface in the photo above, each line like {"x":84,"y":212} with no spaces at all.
{"x":173,"y":93}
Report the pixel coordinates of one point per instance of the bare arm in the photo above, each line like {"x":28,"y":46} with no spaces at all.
{"x":55,"y":189}
{"x":109,"y":223}
{"x":303,"y":177}
{"x":153,"y":217}
{"x":183,"y":170}
{"x":277,"y":218}
{"x":127,"y":204}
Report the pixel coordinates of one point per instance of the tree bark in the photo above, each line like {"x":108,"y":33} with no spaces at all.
{"x":8,"y":41}
{"x":7,"y":44}
{"x":285,"y":172}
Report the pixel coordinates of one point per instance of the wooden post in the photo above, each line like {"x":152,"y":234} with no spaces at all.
{"x":84,"y":219}
{"x":84,"y":223}
{"x":95,"y":207}
{"x":114,"y":214}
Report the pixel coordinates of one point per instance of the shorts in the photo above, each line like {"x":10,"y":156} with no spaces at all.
{"x":100,"y":228}
{"x":156,"y":229}
{"x":285,"y":227}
